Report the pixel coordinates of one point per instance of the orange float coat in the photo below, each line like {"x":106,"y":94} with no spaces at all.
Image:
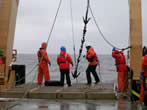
{"x":144,"y":65}
{"x":64,"y":60}
{"x":121,"y":67}
{"x":144,"y":69}
{"x":43,"y":60}
{"x":92,"y":57}
{"x":120,"y":61}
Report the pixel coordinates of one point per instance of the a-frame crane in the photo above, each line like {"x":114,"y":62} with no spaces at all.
{"x":8,"y":13}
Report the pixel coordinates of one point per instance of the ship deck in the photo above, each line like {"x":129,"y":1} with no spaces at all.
{"x":76,"y":91}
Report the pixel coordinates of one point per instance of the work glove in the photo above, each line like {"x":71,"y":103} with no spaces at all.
{"x":72,"y":65}
{"x":84,"y":56}
{"x":113,"y":49}
{"x":141,"y":75}
{"x":49,"y":63}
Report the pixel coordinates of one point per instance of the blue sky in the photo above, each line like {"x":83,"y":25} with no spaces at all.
{"x":35,"y":18}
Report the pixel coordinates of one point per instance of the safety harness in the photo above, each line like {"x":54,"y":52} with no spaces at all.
{"x":64,"y":59}
{"x":93,"y":59}
{"x":40,"y":55}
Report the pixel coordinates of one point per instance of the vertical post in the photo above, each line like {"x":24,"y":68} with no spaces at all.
{"x":135,"y":37}
{"x":8,"y":13}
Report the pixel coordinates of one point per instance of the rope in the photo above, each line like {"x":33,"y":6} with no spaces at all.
{"x":71,"y":15}
{"x":27,"y":89}
{"x":102,"y":35}
{"x":54,"y":22}
{"x":47,"y":44}
{"x":47,"y":41}
{"x":85,"y":20}
{"x":29,"y":73}
{"x":25,"y":93}
{"x":12,"y":106}
{"x":129,"y":79}
{"x":100,"y":77}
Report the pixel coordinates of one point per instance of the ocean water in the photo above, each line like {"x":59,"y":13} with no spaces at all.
{"x":106,"y":71}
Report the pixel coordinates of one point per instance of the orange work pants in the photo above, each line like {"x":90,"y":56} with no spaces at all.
{"x":43,"y":70}
{"x":141,"y":91}
{"x":122,"y":81}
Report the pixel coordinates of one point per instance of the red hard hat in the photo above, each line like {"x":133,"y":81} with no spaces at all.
{"x":44,"y":45}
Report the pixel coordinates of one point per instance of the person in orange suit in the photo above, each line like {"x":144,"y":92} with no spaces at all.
{"x":144,"y":69}
{"x":121,"y":68}
{"x":2,"y":60}
{"x":43,"y":60}
{"x":93,"y":62}
{"x":143,"y":76}
{"x":64,"y":60}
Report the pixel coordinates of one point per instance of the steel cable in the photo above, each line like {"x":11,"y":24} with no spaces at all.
{"x":54,"y":22}
{"x":71,"y":15}
{"x":101,"y":33}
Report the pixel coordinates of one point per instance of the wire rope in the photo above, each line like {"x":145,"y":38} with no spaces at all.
{"x":71,"y":15}
{"x":101,"y":33}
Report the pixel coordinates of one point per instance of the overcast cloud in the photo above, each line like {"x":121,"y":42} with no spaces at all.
{"x":35,"y":18}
